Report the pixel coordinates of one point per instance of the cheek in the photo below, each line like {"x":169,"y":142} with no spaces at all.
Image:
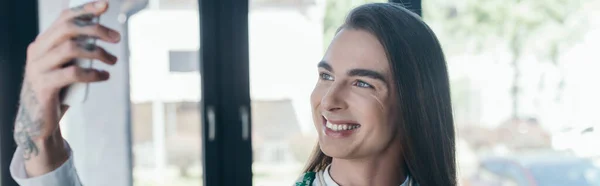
{"x":371,"y":111}
{"x":374,"y":112}
{"x":315,"y":102}
{"x":370,"y":107}
{"x":316,"y":97}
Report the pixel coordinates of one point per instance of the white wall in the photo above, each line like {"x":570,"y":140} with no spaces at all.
{"x":153,"y":33}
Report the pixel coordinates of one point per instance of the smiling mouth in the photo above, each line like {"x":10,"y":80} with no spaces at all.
{"x":339,"y":126}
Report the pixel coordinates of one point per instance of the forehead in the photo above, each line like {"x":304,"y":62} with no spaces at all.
{"x":354,"y":48}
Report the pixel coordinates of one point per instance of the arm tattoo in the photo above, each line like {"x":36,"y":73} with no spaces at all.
{"x":28,"y":124}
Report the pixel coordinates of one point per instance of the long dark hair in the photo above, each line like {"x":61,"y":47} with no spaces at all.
{"x":420,"y":74}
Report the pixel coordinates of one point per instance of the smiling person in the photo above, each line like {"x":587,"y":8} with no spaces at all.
{"x":382,"y":105}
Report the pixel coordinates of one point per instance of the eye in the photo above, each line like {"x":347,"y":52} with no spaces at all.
{"x":362,"y":84}
{"x":325,"y":76}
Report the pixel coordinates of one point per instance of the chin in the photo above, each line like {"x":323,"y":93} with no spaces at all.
{"x":336,"y":150}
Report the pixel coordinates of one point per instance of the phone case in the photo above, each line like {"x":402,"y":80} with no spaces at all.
{"x":77,"y":93}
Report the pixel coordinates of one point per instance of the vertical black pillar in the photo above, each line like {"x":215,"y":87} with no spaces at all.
{"x":210,"y":52}
{"x":235,"y":76}
{"x":227,"y":155}
{"x":18,"y":28}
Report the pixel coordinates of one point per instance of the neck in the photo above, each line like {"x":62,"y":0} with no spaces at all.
{"x":384,"y":169}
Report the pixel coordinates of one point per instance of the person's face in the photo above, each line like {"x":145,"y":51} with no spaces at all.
{"x":353,"y":102}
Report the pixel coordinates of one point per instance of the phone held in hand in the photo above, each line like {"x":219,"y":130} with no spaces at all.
{"x":77,"y":93}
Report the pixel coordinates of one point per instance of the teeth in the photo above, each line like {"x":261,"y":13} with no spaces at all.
{"x":336,"y":127}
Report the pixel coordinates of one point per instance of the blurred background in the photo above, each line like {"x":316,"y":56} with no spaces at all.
{"x":523,"y":74}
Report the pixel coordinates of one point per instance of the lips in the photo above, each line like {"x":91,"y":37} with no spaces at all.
{"x":340,"y":128}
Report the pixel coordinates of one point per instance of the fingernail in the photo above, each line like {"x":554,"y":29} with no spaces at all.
{"x":114,"y":35}
{"x":104,"y":75}
{"x":100,"y":4}
{"x":114,"y":59}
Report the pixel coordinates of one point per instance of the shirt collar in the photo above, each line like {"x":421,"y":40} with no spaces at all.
{"x":329,"y":181}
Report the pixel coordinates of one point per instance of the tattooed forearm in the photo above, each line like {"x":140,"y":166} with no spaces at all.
{"x":28,"y":124}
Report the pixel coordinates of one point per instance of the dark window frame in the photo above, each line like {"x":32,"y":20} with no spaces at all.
{"x":18,"y":28}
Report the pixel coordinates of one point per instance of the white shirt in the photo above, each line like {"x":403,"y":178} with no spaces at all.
{"x":65,"y":175}
{"x":323,"y":178}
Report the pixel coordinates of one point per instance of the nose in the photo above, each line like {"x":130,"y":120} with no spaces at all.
{"x":334,"y":99}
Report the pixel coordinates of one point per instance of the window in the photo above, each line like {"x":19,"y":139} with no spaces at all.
{"x":165,"y":94}
{"x":520,"y":74}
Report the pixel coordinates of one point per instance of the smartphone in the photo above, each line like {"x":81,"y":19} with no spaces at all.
{"x":77,"y":93}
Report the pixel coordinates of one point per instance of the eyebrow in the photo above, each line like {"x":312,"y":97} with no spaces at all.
{"x":326,"y":66}
{"x":356,"y":72}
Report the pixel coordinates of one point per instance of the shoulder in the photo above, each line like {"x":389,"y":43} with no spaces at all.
{"x":306,"y":179}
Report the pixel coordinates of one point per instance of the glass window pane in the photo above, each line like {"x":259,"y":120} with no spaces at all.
{"x":287,"y":40}
{"x":523,"y":89}
{"x":165,"y":94}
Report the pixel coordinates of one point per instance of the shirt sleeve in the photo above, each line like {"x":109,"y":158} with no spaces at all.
{"x":65,"y":175}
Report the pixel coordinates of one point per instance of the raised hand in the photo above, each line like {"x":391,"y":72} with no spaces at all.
{"x":49,"y":70}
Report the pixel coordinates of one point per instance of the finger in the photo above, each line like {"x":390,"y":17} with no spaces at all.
{"x":84,"y":11}
{"x":75,"y":74}
{"x":71,"y":30}
{"x":68,"y":51}
{"x":67,"y":26}
{"x":92,"y":9}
